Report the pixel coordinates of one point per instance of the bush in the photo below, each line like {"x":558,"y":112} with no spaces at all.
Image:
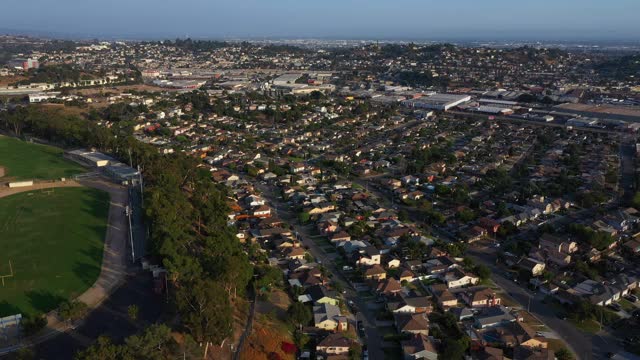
{"x":32,"y":324}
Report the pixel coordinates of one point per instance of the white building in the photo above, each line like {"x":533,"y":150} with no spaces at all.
{"x":442,"y":102}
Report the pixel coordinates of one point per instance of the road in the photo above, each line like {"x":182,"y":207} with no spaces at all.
{"x":373,"y":338}
{"x":627,"y":168}
{"x":585,"y":346}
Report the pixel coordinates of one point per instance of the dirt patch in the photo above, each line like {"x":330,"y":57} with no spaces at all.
{"x":8,"y":80}
{"x":265,"y":343}
{"x":278,"y":302}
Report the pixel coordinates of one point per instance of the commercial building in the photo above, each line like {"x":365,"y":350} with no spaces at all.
{"x":442,"y":102}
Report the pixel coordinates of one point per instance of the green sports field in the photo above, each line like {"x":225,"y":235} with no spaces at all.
{"x":27,"y":161}
{"x":54,"y":240}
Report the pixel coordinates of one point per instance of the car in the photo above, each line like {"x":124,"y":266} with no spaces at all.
{"x":361,"y":329}
{"x":615,"y":306}
{"x":631,"y":298}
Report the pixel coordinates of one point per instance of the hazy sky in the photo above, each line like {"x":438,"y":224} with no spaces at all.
{"x":416,"y":19}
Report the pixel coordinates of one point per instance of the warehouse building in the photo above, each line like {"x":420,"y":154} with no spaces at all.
{"x":442,"y":102}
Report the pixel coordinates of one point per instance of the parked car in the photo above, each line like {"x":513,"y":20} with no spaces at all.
{"x":615,"y":306}
{"x":631,"y":298}
{"x":361,"y":329}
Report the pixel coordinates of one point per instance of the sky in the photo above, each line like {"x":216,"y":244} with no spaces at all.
{"x":345,"y":19}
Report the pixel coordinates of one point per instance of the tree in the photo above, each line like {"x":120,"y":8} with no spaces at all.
{"x":299,"y":314}
{"x":564,"y":354}
{"x":268,"y":276}
{"x":482,"y":271}
{"x":25,"y":354}
{"x":304,"y":217}
{"x":355,"y":352}
{"x":204,"y":308}
{"x":102,"y":349}
{"x":72,"y":310}
{"x":635,"y":202}
{"x":300,"y":339}
{"x":454,"y":349}
{"x":32,"y":324}
{"x":155,"y":342}
{"x":133,"y":311}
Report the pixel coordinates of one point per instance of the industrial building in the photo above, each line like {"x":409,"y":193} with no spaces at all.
{"x":442,"y":102}
{"x":494,"y":110}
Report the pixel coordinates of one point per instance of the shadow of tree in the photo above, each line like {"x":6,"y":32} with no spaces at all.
{"x":87,"y":273}
{"x":44,"y":301}
{"x":94,"y":253}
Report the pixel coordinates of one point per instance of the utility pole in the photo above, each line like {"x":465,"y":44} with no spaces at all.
{"x":141,"y":187}
{"x":133,"y":255}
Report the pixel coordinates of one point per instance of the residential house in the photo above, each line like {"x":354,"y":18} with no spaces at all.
{"x":294,"y":253}
{"x":530,"y":353}
{"x":489,"y":353}
{"x":532,"y":266}
{"x":262,"y":211}
{"x":340,"y":237}
{"x":393,"y":263}
{"x":411,"y":323}
{"x":319,"y":294}
{"x":406,"y":275}
{"x":493,"y":316}
{"x":328,"y":317}
{"x":334,"y":344}
{"x":480,"y":297}
{"x":369,"y":256}
{"x":443,"y":296}
{"x":420,"y":346}
{"x":411,"y":304}
{"x":458,"y":278}
{"x":376,"y":272}
{"x":389,"y":287}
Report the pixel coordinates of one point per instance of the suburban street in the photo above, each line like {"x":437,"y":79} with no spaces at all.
{"x":373,"y":339}
{"x":585,"y":346}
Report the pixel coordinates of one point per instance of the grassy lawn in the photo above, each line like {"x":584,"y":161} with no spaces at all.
{"x":588,"y":326}
{"x":26,"y":161}
{"x":54,"y":241}
{"x":627,"y":305}
{"x":556,"y":344}
{"x":393,"y":353}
